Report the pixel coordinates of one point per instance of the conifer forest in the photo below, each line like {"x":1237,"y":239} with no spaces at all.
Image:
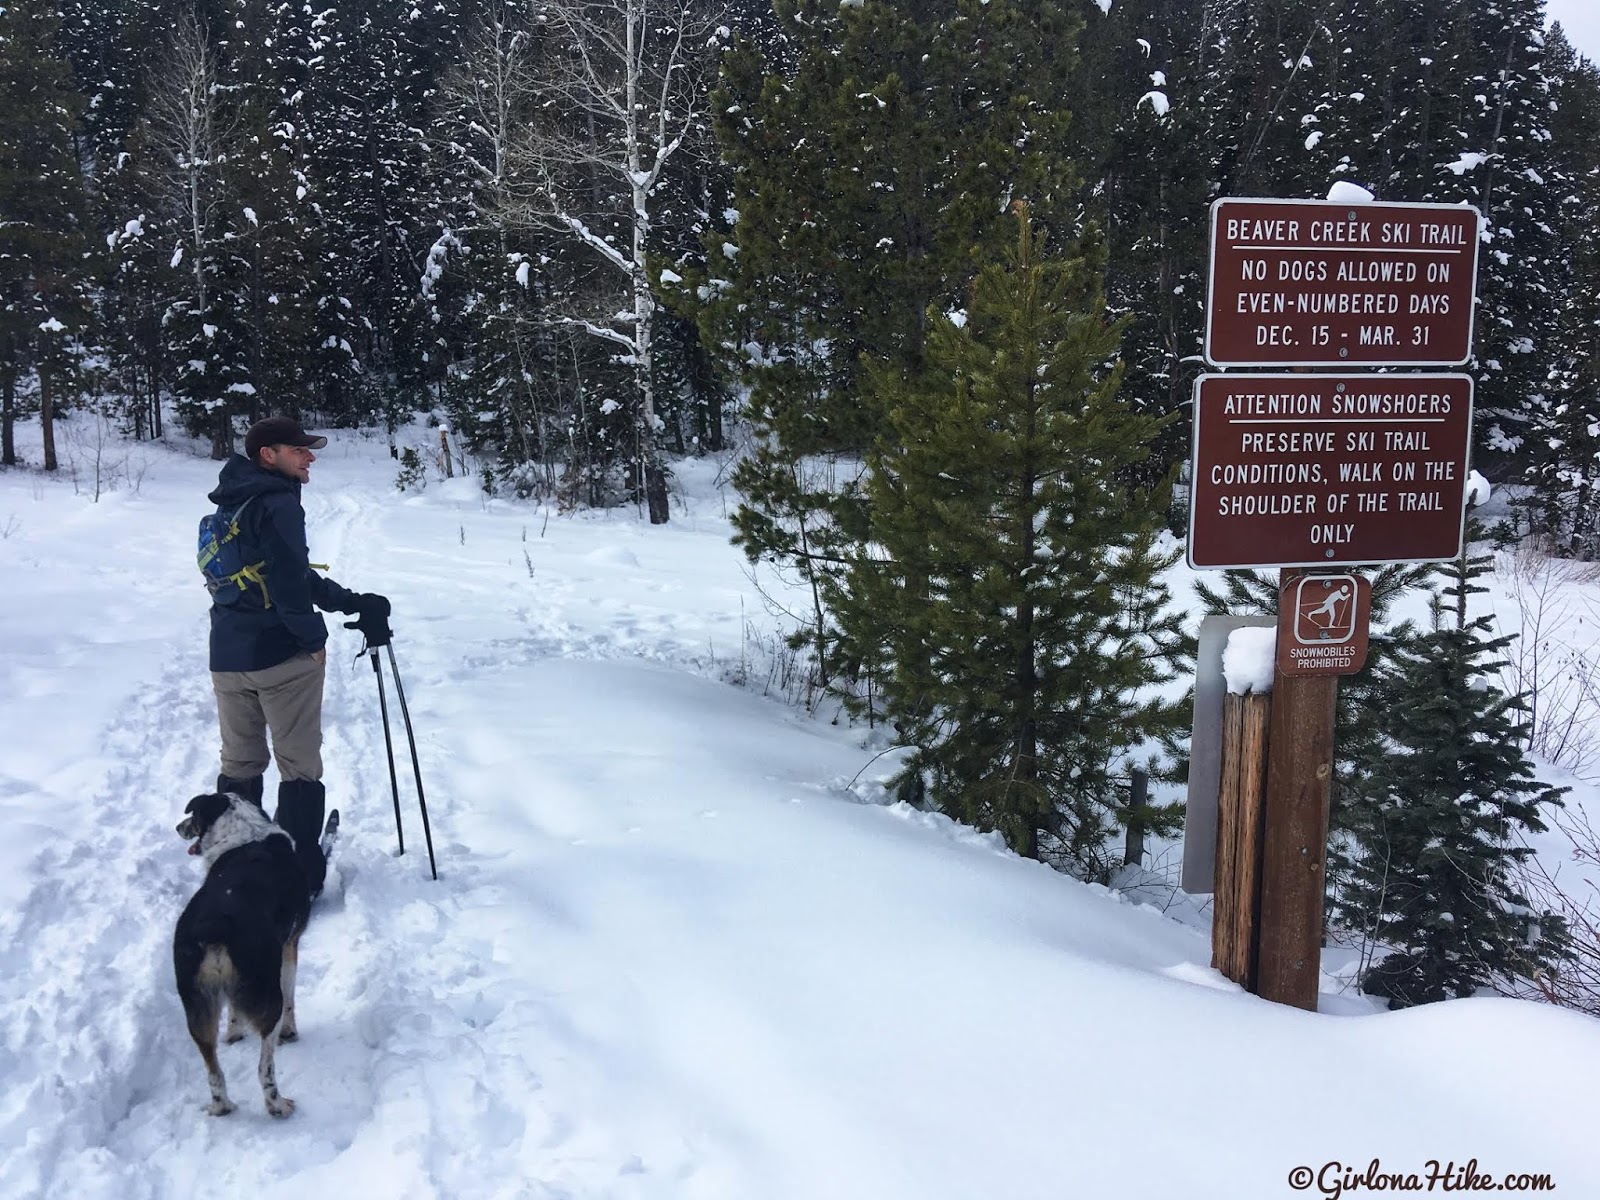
{"x":930,"y":273}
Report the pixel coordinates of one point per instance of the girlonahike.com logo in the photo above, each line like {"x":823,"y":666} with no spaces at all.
{"x":1335,"y":1179}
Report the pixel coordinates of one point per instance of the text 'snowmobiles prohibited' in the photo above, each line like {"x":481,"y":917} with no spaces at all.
{"x":1328,"y":470}
{"x":1323,"y":625}
{"x":1315,"y":283}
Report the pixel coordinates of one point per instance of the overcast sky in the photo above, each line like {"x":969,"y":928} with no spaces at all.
{"x":1581,"y":20}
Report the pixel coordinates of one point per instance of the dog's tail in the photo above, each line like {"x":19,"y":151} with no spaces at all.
{"x":198,"y":930}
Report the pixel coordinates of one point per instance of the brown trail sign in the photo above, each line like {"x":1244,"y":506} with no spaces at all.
{"x":1316,"y":283}
{"x":1327,"y":470}
{"x":1319,"y":471}
{"x":1323,"y":624}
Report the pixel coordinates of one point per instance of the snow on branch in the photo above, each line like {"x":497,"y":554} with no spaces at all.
{"x":1157,"y":100}
{"x":1470,"y":160}
{"x":599,"y":331}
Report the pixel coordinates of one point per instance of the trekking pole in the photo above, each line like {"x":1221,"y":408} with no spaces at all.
{"x":416,"y":768}
{"x":388,"y":745}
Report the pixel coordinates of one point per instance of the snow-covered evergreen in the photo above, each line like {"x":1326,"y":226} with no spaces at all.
{"x":1447,"y":799}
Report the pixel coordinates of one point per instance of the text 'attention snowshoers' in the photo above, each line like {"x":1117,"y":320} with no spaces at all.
{"x":1305,"y":470}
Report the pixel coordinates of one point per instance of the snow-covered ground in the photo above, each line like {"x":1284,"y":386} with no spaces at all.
{"x":670,"y":954}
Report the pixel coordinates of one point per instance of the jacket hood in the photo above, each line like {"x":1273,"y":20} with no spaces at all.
{"x":242,"y":479}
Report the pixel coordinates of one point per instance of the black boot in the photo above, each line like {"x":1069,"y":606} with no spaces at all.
{"x":250,"y":788}
{"x":301,"y":804}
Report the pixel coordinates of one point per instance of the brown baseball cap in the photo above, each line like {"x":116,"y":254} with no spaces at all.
{"x":279,"y":431}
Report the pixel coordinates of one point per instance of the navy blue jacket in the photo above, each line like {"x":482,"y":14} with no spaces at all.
{"x":249,"y":636}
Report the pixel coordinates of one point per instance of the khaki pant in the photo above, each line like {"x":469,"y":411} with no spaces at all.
{"x":286,"y":699}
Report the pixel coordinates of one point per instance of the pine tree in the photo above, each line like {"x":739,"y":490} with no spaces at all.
{"x":382,"y":195}
{"x":1450,"y":101}
{"x":1013,"y":576}
{"x":1564,"y":441}
{"x":874,"y":148}
{"x":303,"y":358}
{"x":1387,"y":120}
{"x":142,"y":284}
{"x":44,"y":272}
{"x":265,"y":272}
{"x":1259,"y":69}
{"x":1431,"y":853}
{"x":1520,"y":192}
{"x":1139,"y":135}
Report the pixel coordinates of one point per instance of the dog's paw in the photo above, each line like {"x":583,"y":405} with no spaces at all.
{"x":235,"y":1030}
{"x":291,"y":1034}
{"x":220,"y":1108}
{"x":282,"y":1106}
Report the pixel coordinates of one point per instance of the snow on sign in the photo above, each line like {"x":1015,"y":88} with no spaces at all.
{"x":1299,"y":470}
{"x":1308,"y":283}
{"x":1322,"y":624}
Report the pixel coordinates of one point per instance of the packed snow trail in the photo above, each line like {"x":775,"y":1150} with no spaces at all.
{"x":670,"y":955}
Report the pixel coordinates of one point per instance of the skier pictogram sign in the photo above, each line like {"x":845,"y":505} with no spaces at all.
{"x":1322,"y":624}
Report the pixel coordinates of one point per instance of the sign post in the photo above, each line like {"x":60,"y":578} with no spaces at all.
{"x":1294,"y":848}
{"x":1307,"y":472}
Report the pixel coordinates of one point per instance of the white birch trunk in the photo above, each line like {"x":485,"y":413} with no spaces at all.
{"x":635,"y":71}
{"x":183,"y":110}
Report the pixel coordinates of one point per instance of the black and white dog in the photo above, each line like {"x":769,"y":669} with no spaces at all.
{"x":239,"y":937}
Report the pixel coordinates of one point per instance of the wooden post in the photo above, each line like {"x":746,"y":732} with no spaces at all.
{"x":1133,"y":842}
{"x":1236,"y":901}
{"x":1295,"y":847}
{"x":444,"y":452}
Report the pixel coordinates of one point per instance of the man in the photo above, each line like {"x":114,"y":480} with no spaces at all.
{"x":268,"y":642}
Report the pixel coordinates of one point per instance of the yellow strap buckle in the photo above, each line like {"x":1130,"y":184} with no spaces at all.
{"x":253,"y":574}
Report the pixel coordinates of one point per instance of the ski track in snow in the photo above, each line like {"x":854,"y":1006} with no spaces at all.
{"x":378,"y":1070}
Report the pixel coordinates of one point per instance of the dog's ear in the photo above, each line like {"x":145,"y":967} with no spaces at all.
{"x":207,"y":808}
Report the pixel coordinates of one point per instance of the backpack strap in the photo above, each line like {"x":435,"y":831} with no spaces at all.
{"x":254,"y":572}
{"x":233,"y":521}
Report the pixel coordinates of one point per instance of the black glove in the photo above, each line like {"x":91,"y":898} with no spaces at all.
{"x":372,"y":619}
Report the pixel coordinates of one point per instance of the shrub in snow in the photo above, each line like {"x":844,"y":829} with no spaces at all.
{"x":1434,"y":840}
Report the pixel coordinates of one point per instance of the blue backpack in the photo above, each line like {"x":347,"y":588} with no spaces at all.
{"x":221,"y":555}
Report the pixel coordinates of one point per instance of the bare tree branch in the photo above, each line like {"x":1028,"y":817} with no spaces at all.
{"x":617,"y":88}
